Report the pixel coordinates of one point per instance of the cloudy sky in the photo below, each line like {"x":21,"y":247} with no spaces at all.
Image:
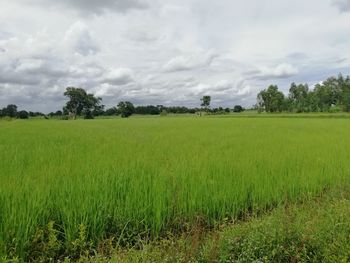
{"x":168,"y":52}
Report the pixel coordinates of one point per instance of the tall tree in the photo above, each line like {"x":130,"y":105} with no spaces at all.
{"x":81,"y":102}
{"x":205,"y":102}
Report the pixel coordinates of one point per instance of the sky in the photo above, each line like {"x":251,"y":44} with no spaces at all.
{"x":169,"y":52}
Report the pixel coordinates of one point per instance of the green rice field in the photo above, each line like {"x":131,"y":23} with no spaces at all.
{"x":140,"y":178}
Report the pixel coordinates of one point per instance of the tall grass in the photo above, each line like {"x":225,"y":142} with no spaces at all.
{"x":140,"y":177}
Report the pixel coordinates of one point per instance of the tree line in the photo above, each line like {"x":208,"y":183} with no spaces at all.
{"x":86,"y":105}
{"x":11,"y":111}
{"x":81,"y":103}
{"x":332,"y":95}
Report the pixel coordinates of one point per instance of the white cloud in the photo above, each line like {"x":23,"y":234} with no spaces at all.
{"x":166,"y":52}
{"x":189,"y":62}
{"x":283,"y":70}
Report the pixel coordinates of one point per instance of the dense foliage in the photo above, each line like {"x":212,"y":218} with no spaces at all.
{"x":125,"y":108}
{"x":332,"y":95}
{"x":81,"y":102}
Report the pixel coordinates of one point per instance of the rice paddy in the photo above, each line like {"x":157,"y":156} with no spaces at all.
{"x":139,"y":178}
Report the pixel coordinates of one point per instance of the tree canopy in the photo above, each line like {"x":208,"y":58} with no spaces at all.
{"x":205,"y":102}
{"x":126,"y":109}
{"x":331,"y":95}
{"x":81,"y":102}
{"x":238,"y":108}
{"x":271,"y":99}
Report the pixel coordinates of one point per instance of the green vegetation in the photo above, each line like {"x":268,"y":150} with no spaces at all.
{"x":70,"y":188}
{"x":81,"y":103}
{"x":126,"y":109}
{"x":332,"y":95}
{"x":317,"y":230}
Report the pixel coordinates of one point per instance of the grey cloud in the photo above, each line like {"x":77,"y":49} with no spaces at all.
{"x":96,"y":7}
{"x":138,"y":34}
{"x":342,"y":5}
{"x":31,"y":71}
{"x":101,"y":6}
{"x":5,"y":35}
{"x":297,"y":56}
{"x":118,"y":76}
{"x":32,"y":98}
{"x":81,"y":39}
{"x":10,"y":78}
{"x":49,"y":68}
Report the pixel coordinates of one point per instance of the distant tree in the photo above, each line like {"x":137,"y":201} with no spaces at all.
{"x":313,"y":102}
{"x":238,"y":108}
{"x":10,"y":111}
{"x":80,"y":102}
{"x":346,"y":101}
{"x":331,"y":95}
{"x":227,"y":110}
{"x":58,"y":113}
{"x":205,"y":102}
{"x":298,"y":97}
{"x":218,"y":110}
{"x":111,"y":111}
{"x":179,"y":110}
{"x":271,"y":99}
{"x":23,"y":114}
{"x":126,"y":109}
{"x":344,"y":88}
{"x":147,"y":110}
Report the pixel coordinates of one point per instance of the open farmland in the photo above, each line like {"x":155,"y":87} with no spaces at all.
{"x":140,"y":178}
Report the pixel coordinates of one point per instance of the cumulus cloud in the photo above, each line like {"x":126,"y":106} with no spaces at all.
{"x":172,"y":52}
{"x":220,"y":91}
{"x":283,"y":70}
{"x":342,"y":5}
{"x":81,"y":40}
{"x":118,"y":76}
{"x":193,"y":61}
